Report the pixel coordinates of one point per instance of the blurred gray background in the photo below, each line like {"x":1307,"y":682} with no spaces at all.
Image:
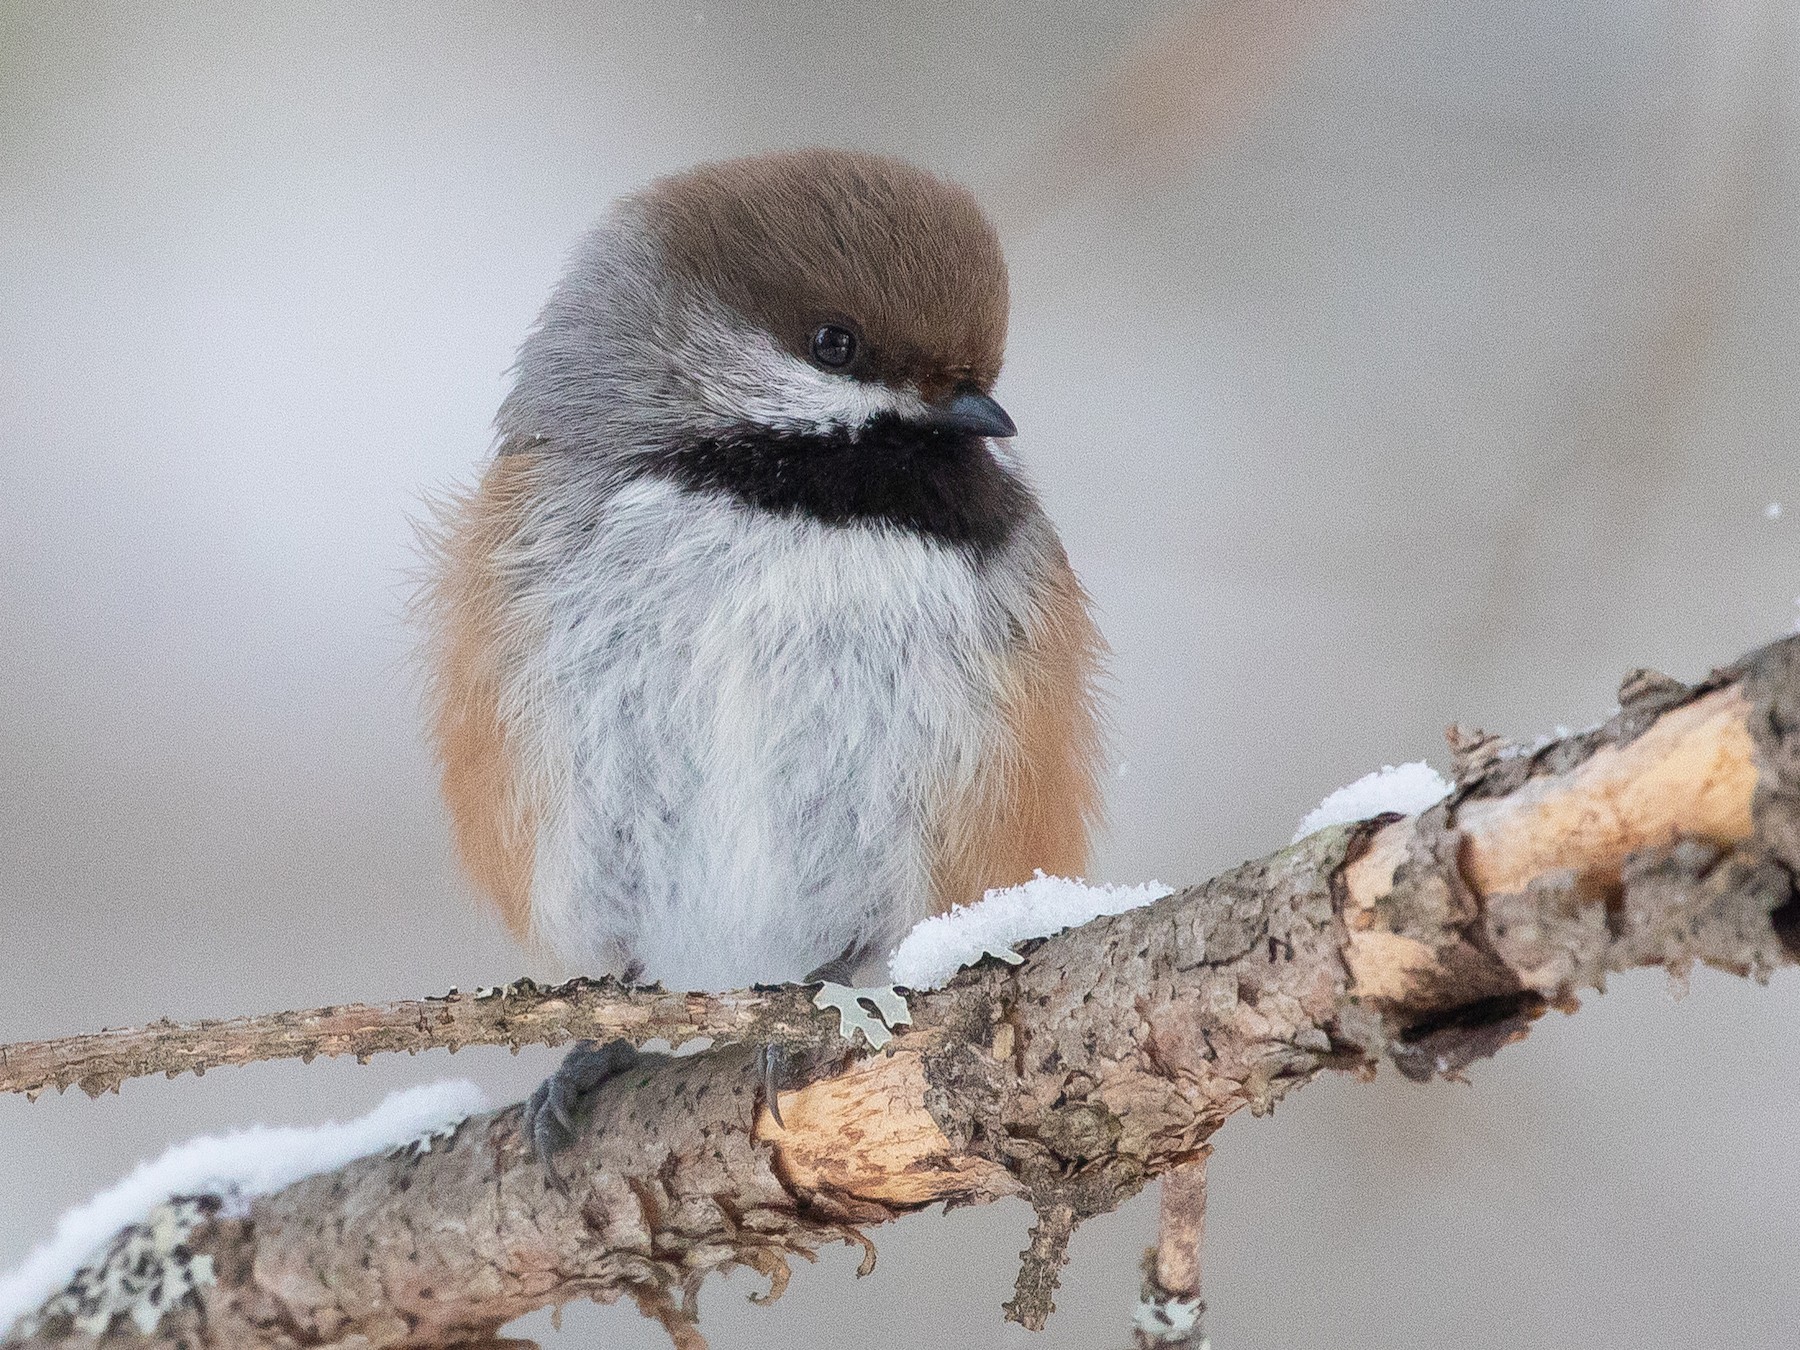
{"x":1384,"y":364}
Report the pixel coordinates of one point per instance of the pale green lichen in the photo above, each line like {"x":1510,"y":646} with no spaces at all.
{"x":1168,"y":1320}
{"x":889,"y":1006}
{"x":144,"y":1273}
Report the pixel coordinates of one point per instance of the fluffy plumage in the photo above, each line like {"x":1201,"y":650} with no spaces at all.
{"x":739,"y":661}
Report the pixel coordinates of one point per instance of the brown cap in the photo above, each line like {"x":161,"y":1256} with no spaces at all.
{"x":797,"y":240}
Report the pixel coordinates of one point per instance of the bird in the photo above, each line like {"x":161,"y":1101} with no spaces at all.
{"x":753,"y":646}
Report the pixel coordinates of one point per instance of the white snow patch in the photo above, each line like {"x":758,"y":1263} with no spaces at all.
{"x":238,"y":1167}
{"x":1405,"y":788}
{"x":942,"y":945}
{"x":1772,"y":511}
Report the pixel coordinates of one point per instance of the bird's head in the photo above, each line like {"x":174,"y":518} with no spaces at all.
{"x":807,"y":293}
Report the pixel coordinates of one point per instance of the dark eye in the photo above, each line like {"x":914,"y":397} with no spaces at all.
{"x":833,"y":346}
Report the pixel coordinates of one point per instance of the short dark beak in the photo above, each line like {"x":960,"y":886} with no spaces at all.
{"x":972,"y":411}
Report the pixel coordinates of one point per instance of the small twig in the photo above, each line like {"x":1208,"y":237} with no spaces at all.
{"x":1171,"y":1310}
{"x":514,"y":1015}
{"x":1181,"y":1230}
{"x":1040,"y":1266}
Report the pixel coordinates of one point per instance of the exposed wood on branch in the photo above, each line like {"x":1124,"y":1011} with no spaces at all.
{"x":1109,"y":1057}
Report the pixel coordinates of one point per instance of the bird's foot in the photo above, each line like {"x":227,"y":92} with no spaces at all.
{"x":871,"y":1011}
{"x":552,"y":1114}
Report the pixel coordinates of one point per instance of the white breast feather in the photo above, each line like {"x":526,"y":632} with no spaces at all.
{"x":745,"y":718}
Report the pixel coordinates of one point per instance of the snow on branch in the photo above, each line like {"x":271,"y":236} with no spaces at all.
{"x":231,"y":1169}
{"x":1108,"y":1056}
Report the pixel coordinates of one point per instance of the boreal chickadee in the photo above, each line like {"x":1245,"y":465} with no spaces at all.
{"x":752,"y":648}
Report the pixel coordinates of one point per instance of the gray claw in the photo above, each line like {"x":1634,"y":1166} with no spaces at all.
{"x":558,"y":1102}
{"x":540,"y":1133}
{"x":773,"y":1059}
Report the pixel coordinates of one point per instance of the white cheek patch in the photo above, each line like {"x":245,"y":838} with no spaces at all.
{"x":740,"y":375}
{"x":796,"y":397}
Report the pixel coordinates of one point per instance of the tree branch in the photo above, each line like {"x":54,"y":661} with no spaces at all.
{"x":518,"y":1014}
{"x":1667,"y":836}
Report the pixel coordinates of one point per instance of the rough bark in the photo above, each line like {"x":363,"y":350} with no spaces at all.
{"x":1667,"y":836}
{"x":514,"y":1015}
